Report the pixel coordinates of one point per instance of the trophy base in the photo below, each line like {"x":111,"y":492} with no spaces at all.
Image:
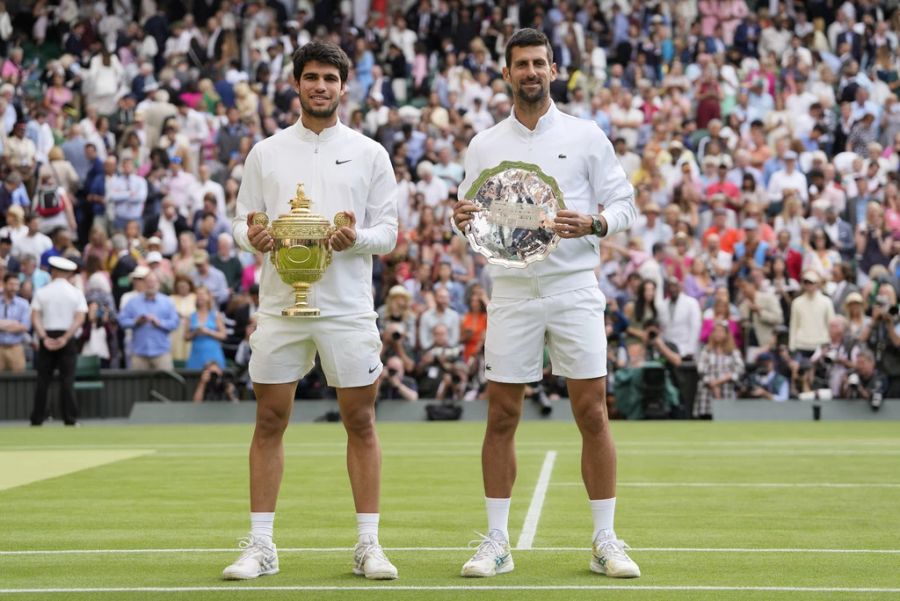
{"x":300,"y":312}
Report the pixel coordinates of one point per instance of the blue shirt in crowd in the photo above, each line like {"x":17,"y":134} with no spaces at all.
{"x":17,"y":310}
{"x":150,"y":340}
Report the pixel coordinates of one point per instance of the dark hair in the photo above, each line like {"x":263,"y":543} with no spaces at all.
{"x":10,"y":276}
{"x":321,"y":52}
{"x":643,"y":310}
{"x":528,"y":37}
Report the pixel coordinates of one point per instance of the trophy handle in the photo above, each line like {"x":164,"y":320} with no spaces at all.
{"x":260,"y":218}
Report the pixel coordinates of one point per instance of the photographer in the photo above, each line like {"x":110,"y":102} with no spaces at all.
{"x":865,"y":382}
{"x":397,"y":325}
{"x":394,"y":384}
{"x":882,"y":337}
{"x":214,"y":385}
{"x":765,"y":382}
{"x":831,"y":361}
{"x":441,"y":370}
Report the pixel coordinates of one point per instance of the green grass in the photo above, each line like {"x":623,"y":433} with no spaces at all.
{"x":191,"y":492}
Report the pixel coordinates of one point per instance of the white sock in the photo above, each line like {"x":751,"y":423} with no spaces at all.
{"x":367,"y":525}
{"x":498,"y":515}
{"x":262,"y":525}
{"x":604,"y":511}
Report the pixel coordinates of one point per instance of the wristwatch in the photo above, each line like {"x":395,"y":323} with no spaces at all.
{"x":597,"y":227}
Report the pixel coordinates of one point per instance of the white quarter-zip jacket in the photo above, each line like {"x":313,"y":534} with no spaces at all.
{"x":341,"y":170}
{"x":580,"y":157}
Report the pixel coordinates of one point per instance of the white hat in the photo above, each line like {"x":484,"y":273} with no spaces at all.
{"x":140,"y":272}
{"x":154,"y":256}
{"x":154,"y":240}
{"x":63,"y":264}
{"x":790,"y":155}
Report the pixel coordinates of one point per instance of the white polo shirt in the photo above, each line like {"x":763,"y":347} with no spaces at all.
{"x":341,"y":170}
{"x":59,"y":302}
{"x":580,"y":157}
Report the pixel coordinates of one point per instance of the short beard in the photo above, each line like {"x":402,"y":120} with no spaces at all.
{"x":532,"y":99}
{"x":318,"y":114}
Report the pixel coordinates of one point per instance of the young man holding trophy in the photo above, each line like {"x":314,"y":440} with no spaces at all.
{"x":541,"y":295}
{"x":349,"y":178}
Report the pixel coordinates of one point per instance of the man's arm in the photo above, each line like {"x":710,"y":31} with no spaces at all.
{"x":609,"y":186}
{"x":770,"y":312}
{"x":378,"y":234}
{"x":169,"y":319}
{"x":250,"y":200}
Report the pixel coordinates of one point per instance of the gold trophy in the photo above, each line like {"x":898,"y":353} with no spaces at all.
{"x":302,"y":252}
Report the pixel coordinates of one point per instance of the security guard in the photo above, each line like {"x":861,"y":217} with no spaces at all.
{"x":57,"y":313}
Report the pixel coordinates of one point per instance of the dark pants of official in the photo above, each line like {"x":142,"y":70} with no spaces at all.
{"x":47,"y":363}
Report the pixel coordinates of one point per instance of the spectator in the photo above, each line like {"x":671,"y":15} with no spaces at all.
{"x":810,"y":314}
{"x":442,"y":374}
{"x":210,"y":277}
{"x":7,"y":261}
{"x":474,"y":326}
{"x":151,"y":316}
{"x":440,"y":314}
{"x":394,"y":384}
{"x":698,"y":284}
{"x":842,"y":277}
{"x":206,"y":331}
{"x":820,"y":256}
{"x":225,"y":261}
{"x":15,"y":323}
{"x":126,"y":193}
{"x":397,"y":325}
{"x":31,"y":275}
{"x":252,"y":272}
{"x":185,"y":299}
{"x":720,"y":312}
{"x":857,"y":320}
{"x":681,"y":320}
{"x":58,"y":313}
{"x":720,"y":367}
{"x":34,"y":242}
{"x":762,"y":314}
{"x":642,"y":313}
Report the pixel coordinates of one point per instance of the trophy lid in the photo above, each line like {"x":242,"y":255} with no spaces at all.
{"x":300,"y":212}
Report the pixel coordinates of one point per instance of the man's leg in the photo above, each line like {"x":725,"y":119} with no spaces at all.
{"x":498,"y":452}
{"x":273,"y":412}
{"x":598,"y":452}
{"x":498,"y":469}
{"x":357,"y":407}
{"x":598,"y":470}
{"x":68,"y":359}
{"x":46,"y":365}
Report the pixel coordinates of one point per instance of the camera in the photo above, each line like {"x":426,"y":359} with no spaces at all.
{"x":391,"y":372}
{"x":396,"y":335}
{"x":853,"y":385}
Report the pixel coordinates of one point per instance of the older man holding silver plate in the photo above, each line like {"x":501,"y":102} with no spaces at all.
{"x":535,"y":216}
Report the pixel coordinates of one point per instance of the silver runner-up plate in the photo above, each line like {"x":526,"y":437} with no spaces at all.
{"x":517,"y":203}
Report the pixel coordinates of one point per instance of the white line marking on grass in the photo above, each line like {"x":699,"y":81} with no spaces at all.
{"x":399,"y":588}
{"x":529,"y":527}
{"x":441,"y":550}
{"x":747,"y":484}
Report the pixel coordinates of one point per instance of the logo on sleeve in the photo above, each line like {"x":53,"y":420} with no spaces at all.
{"x":337,"y":162}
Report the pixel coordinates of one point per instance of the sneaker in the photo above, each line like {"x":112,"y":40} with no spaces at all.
{"x":609,"y":558}
{"x":370,"y":561}
{"x":258,"y":558}
{"x":492,"y":556}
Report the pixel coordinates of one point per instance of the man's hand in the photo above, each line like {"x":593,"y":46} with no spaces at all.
{"x":259,"y":236}
{"x":572,"y":224}
{"x":462,"y":213}
{"x":344,"y":237}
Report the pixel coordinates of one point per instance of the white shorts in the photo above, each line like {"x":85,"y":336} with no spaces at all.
{"x":571,"y":323}
{"x":284,"y":349}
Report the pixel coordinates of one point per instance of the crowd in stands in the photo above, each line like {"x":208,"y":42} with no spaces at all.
{"x":762,"y":140}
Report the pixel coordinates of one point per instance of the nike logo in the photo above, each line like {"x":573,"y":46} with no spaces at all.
{"x":562,"y":156}
{"x":337,"y":162}
{"x":487,"y":367}
{"x":372,"y":369}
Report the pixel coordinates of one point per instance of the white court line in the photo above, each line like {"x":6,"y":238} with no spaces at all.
{"x":529,"y":527}
{"x":446,"y":549}
{"x":399,"y":588}
{"x":746,"y":484}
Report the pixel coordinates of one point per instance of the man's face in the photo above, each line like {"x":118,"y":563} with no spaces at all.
{"x":442,"y":298}
{"x":11,"y":287}
{"x":90,"y":153}
{"x":151,"y":284}
{"x":320,"y":89}
{"x":529,"y":74}
{"x":865,"y":366}
{"x":109,"y":166}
